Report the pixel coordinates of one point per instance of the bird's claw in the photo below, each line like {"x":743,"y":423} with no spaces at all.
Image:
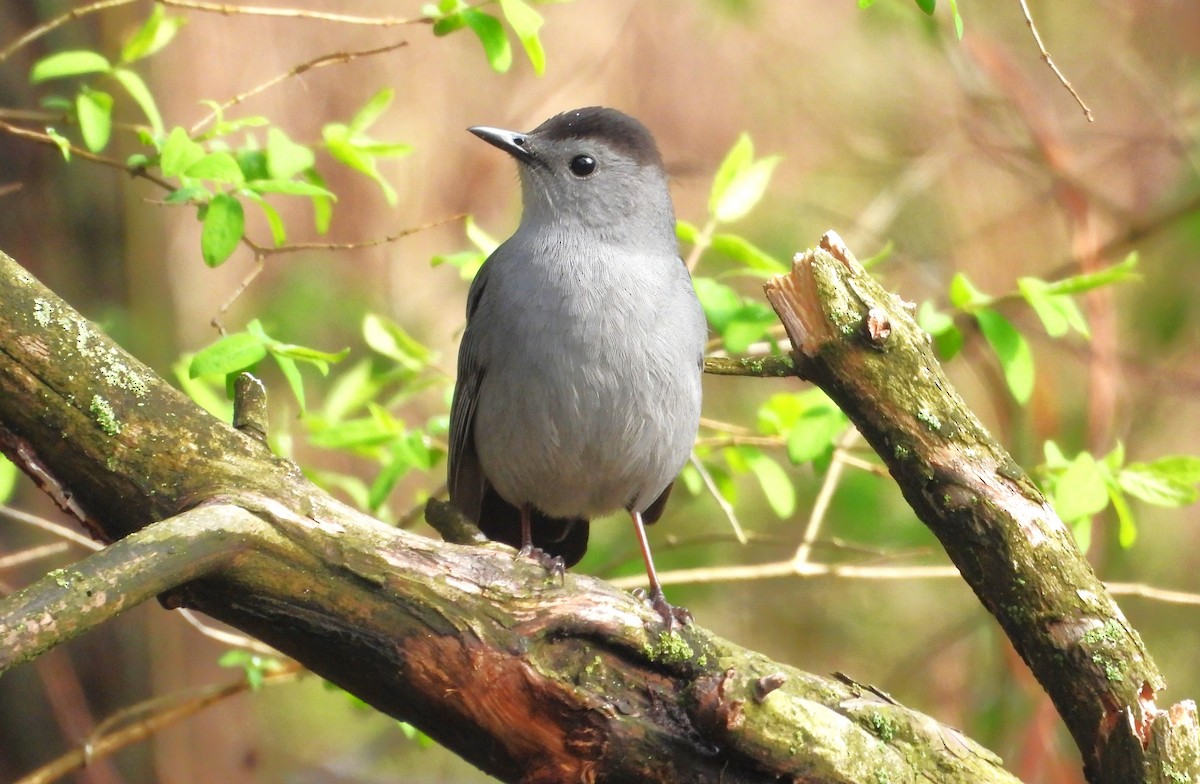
{"x":553,"y":564}
{"x":668,"y":612}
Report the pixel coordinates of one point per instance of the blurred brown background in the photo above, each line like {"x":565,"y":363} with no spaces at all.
{"x":968,"y":156}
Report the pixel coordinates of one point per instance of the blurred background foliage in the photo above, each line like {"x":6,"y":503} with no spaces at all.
{"x":964,"y":164}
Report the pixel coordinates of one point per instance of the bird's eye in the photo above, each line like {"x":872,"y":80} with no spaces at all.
{"x":583,"y":165}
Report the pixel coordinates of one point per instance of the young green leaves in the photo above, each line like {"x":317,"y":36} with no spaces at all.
{"x":449,"y":16}
{"x":93,"y":107}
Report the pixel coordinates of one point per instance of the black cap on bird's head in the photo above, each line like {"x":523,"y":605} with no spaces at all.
{"x":614,"y":129}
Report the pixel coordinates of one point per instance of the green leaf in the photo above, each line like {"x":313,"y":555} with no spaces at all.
{"x":865,"y":3}
{"x":776,"y":484}
{"x":289,"y":188}
{"x":526,"y":22}
{"x":155,"y":33}
{"x":486,"y":243}
{"x":467,"y":262}
{"x":223,"y":225}
{"x":141,"y":95}
{"x":490,"y":33}
{"x":370,"y":112}
{"x":192,"y":193}
{"x":686,"y":232}
{"x":958,"y":21}
{"x":927,"y":6}
{"x":737,"y":160}
{"x":745,"y":190}
{"x":62,"y":142}
{"x":343,"y":149}
{"x":231,"y":354}
{"x":1168,"y":481}
{"x":179,"y":153}
{"x":1055,"y":459}
{"x":742,"y":250}
{"x":94,"y":110}
{"x":1126,"y":523}
{"x":1010,"y":347}
{"x":389,"y":339}
{"x":74,"y":62}
{"x":1081,"y":491}
{"x":291,"y":373}
{"x":322,"y":205}
{"x":217,"y":167}
{"x":1057,"y":312}
{"x":1116,"y":273}
{"x":8,"y":479}
{"x":814,"y":434}
{"x":286,"y":158}
{"x":360,"y":433}
{"x":964,"y":295}
{"x":274,"y":220}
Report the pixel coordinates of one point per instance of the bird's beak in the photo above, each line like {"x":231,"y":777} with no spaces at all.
{"x":513,"y":143}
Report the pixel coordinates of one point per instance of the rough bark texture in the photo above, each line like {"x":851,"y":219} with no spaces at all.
{"x":530,"y":679}
{"x":861,"y":345}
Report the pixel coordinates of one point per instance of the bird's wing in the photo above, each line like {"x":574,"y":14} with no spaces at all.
{"x":465,"y":478}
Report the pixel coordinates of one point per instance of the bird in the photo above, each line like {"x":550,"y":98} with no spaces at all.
{"x":578,"y":392}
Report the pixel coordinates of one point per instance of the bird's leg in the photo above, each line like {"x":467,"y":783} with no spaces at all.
{"x":551,"y":563}
{"x":656,"y":597}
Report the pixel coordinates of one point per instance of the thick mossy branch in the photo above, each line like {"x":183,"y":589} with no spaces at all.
{"x":531,"y":679}
{"x":862,"y":346}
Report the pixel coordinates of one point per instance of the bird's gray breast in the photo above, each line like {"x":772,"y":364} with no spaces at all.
{"x":590,"y":393}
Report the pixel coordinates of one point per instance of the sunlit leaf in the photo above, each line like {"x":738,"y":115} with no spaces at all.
{"x":490,"y":33}
{"x":1080,"y":491}
{"x":230,"y":354}
{"x":1011,"y":349}
{"x":75,"y":62}
{"x":93,"y":108}
{"x":286,"y":158}
{"x":179,"y":152}
{"x":155,"y":33}
{"x":526,"y":22}
{"x":141,"y":95}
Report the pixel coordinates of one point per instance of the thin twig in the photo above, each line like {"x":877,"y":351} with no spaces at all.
{"x":264,"y":251}
{"x":228,"y":638}
{"x":69,"y":16}
{"x":336,"y":58}
{"x":1050,"y":62}
{"x":87,"y":155}
{"x":726,"y":507}
{"x":161,"y":714}
{"x":60,"y":531}
{"x":226,"y":9}
{"x":789,"y":568}
{"x":1150,"y":592}
{"x":824,"y":497}
{"x":31,"y":554}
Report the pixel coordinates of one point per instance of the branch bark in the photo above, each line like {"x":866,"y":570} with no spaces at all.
{"x":529,"y":679}
{"x":861,"y":345}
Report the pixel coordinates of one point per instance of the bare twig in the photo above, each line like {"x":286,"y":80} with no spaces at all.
{"x":821,"y":505}
{"x":48,"y":141}
{"x":726,"y":507}
{"x":31,"y":554}
{"x":789,"y":568}
{"x":69,"y":16}
{"x":337,"y":58}
{"x":159,"y":712}
{"x":226,"y":9}
{"x":1050,"y":61}
{"x":58,"y":530}
{"x":228,"y":638}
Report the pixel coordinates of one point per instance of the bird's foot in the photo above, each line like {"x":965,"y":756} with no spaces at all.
{"x":668,"y":612}
{"x":553,"y":564}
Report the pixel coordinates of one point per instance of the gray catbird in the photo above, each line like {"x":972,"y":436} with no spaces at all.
{"x":578,"y":388}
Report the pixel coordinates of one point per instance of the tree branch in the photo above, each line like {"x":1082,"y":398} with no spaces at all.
{"x":861,"y":345}
{"x":530,"y":679}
